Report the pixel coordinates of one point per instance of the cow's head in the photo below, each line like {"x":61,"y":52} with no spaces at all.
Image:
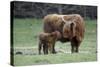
{"x":68,"y":28}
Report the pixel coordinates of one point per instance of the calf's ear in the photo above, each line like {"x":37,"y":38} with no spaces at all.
{"x":53,"y":34}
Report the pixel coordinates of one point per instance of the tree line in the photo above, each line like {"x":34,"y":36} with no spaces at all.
{"x":39,"y":10}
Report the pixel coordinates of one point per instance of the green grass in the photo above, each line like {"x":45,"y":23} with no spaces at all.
{"x":53,"y":59}
{"x":26,"y":33}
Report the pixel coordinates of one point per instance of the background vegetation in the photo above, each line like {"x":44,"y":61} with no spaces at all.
{"x":39,"y":10}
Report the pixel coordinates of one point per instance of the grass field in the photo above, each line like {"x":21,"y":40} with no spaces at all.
{"x":26,"y":33}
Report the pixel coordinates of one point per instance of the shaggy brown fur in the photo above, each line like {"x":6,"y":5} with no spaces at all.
{"x":70,"y":26}
{"x":46,"y":40}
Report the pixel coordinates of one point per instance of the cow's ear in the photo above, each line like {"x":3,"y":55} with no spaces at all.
{"x":72,"y":28}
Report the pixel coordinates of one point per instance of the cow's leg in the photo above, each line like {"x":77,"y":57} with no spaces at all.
{"x":75,"y":43}
{"x":39,"y":47}
{"x":77,"y":47}
{"x":72,"y":47}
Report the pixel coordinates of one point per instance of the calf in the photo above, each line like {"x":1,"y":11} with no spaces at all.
{"x":46,"y":41}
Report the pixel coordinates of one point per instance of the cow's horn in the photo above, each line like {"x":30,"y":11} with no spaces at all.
{"x":63,"y":19}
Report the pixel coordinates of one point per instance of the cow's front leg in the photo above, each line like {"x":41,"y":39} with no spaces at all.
{"x":72,"y":47}
{"x":77,"y":47}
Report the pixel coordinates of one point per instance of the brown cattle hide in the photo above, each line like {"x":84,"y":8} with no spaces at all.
{"x":71,"y":28}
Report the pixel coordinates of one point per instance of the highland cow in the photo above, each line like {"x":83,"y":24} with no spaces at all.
{"x":46,"y":40}
{"x":70,"y":26}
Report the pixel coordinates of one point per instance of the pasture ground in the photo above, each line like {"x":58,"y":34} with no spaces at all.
{"x":26,"y":33}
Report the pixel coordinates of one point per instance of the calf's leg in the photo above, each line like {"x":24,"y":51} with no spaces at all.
{"x":39,"y":47}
